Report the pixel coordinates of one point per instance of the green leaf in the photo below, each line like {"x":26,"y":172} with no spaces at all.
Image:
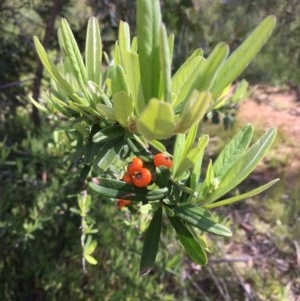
{"x":118,"y":79}
{"x":51,"y":69}
{"x":240,"y":197}
{"x":179,"y":147}
{"x":138,"y":149}
{"x":148,"y":32}
{"x":199,"y":217}
{"x":157,"y":120}
{"x":162,"y":176}
{"x":165,"y":61}
{"x":123,"y":108}
{"x":190,"y":243}
{"x":106,"y":155}
{"x":191,"y":157}
{"x":157,"y":145}
{"x":108,"y":133}
{"x":193,"y":111}
{"x":245,"y":165}
{"x":121,"y":190}
{"x":184,"y":79}
{"x":210,"y":68}
{"x":151,"y":242}
{"x":90,"y":259}
{"x":72,"y":51}
{"x":89,"y":248}
{"x":242,"y":56}
{"x":105,"y":111}
{"x":93,"y":51}
{"x":233,"y":151}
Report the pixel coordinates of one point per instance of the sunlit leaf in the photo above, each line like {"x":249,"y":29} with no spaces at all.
{"x":242,"y":56}
{"x":245,"y":165}
{"x":242,"y":196}
{"x":157,"y":120}
{"x":93,"y":51}
{"x":165,"y":61}
{"x":148,"y":32}
{"x":123,"y":108}
{"x":193,"y":111}
{"x":233,"y":151}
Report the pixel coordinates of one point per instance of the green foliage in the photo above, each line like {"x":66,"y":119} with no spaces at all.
{"x":136,"y":101}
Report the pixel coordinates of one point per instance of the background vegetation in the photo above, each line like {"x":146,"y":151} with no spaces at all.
{"x":40,"y":234}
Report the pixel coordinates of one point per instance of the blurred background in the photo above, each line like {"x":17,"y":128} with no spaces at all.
{"x":40,"y":233}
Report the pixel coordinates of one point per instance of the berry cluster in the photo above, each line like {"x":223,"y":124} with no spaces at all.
{"x":140,"y":176}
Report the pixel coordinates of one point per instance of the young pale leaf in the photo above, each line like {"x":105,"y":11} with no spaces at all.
{"x":90,"y":259}
{"x":157,"y":145}
{"x":199,"y":217}
{"x":193,"y":111}
{"x":242,"y":56}
{"x":151,"y":242}
{"x":51,"y":69}
{"x":132,"y":70}
{"x":233,"y":151}
{"x":118,"y":79}
{"x":148,"y":32}
{"x":178,"y":152}
{"x":209,"y":69}
{"x":93,"y":51}
{"x":244,"y":166}
{"x":157,"y":120}
{"x":73,"y":54}
{"x":240,"y":197}
{"x":183,"y":80}
{"x":165,"y":61}
{"x":105,"y":111}
{"x":124,"y":38}
{"x":123,"y":108}
{"x":190,"y":243}
{"x":191,"y":157}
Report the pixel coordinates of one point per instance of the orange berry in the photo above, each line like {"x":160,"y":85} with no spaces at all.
{"x":135,"y":166}
{"x":127,"y":178}
{"x":142,"y":178}
{"x":122,"y":203}
{"x":162,"y":160}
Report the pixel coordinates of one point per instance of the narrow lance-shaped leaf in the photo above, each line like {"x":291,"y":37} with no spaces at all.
{"x":242,"y":56}
{"x":190,"y":243}
{"x":93,"y":51}
{"x":118,"y":79}
{"x":184,"y":79}
{"x":165,"y":64}
{"x":233,"y":151}
{"x":193,"y":155}
{"x":51,"y":69}
{"x":199,"y":217}
{"x":73,"y":53}
{"x":210,"y":68}
{"x":242,"y":196}
{"x":148,"y":31}
{"x":244,"y":166}
{"x":151,"y":242}
{"x":193,"y":111}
